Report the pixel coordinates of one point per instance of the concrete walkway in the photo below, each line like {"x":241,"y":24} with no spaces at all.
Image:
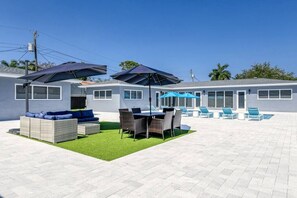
{"x":224,"y":158}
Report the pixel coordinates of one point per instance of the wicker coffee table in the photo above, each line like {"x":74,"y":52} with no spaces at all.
{"x":88,"y":128}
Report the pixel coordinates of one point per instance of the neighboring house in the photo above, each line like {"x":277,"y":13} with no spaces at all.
{"x":266,"y":94}
{"x":43,"y":97}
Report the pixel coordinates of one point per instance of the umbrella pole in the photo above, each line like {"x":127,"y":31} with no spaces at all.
{"x":150,"y":98}
{"x":27,"y":89}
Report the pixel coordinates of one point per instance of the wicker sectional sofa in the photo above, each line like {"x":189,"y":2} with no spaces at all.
{"x":49,"y":130}
{"x":55,"y":126}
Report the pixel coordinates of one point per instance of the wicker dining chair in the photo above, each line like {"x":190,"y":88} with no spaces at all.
{"x":136,"y":110}
{"x":130,"y":124}
{"x":159,"y":126}
{"x":176,"y":121}
{"x":120,"y":111}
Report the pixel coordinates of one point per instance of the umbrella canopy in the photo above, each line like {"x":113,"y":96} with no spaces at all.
{"x":147,"y":76}
{"x":143,"y":75}
{"x":187,"y":95}
{"x":65,"y":71}
{"x":170,"y":94}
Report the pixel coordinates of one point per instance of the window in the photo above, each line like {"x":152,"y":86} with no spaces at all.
{"x":181,"y":101}
{"x":21,"y":91}
{"x":275,"y":94}
{"x":37,"y":92}
{"x":219,"y":99}
{"x":127,"y":94}
{"x":198,"y":100}
{"x":108,"y":94}
{"x":263,"y":94}
{"x":102,"y":95}
{"x":133,"y":94}
{"x":54,"y":93}
{"x":157,"y":99}
{"x":211,"y":99}
{"x":189,"y":101}
{"x":229,"y":99}
{"x":286,"y":94}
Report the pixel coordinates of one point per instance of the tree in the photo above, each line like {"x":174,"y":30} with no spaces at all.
{"x":12,"y":63}
{"x":22,"y":64}
{"x":220,"y":73}
{"x":265,"y":70}
{"x":125,"y":65}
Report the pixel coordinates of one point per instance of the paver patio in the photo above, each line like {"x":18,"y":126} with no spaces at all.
{"x":224,"y":158}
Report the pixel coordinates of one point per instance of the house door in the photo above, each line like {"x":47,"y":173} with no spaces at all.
{"x":241,"y":100}
{"x":157,"y":99}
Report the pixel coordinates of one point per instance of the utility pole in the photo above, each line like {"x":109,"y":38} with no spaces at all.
{"x":192,"y":75}
{"x":27,"y":86}
{"x":35,"y":49}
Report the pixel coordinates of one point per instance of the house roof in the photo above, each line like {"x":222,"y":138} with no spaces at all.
{"x":13,"y":72}
{"x":206,"y":84}
{"x":237,"y":82}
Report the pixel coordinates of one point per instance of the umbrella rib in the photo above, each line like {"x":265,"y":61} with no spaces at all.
{"x":52,"y":75}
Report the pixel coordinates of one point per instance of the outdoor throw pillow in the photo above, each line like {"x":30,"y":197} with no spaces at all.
{"x":49,"y":117}
{"x":40,"y":115}
{"x":60,"y":113}
{"x":75,"y":114}
{"x":87,"y":113}
{"x":63,"y":117}
{"x":29,"y":114}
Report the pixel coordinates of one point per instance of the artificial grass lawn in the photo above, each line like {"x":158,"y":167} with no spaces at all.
{"x":108,"y":144}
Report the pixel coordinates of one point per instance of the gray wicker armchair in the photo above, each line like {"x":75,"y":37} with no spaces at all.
{"x":176,"y":121}
{"x":158,"y":125}
{"x":131,"y":124}
{"x":121,"y":121}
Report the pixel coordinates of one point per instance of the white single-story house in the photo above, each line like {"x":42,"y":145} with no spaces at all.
{"x":267,"y":94}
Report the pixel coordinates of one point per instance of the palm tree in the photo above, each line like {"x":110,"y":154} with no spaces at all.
{"x":220,"y":73}
{"x":12,"y":63}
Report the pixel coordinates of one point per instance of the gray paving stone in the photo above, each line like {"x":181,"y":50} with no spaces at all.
{"x":224,"y":158}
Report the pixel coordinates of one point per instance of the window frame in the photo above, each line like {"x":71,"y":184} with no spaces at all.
{"x":130,"y":90}
{"x":32,"y":91}
{"x":105,"y":90}
{"x":224,"y":98}
{"x":279,"y":98}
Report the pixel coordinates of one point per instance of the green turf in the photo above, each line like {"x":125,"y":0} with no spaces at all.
{"x":108,"y":144}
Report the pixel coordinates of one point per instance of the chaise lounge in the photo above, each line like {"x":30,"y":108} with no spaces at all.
{"x":204,"y":113}
{"x":227,"y":113}
{"x":254,"y":114}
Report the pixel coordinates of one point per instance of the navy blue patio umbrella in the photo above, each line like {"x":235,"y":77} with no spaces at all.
{"x":66,"y":71}
{"x":147,"y":76}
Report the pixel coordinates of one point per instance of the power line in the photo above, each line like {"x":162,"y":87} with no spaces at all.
{"x":23,"y":55}
{"x":55,"y":57}
{"x":77,"y":47}
{"x":15,"y":28}
{"x":14,"y":49}
{"x":43,"y":57}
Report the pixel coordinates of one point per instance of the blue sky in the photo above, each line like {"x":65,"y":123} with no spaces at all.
{"x":170,"y":35}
